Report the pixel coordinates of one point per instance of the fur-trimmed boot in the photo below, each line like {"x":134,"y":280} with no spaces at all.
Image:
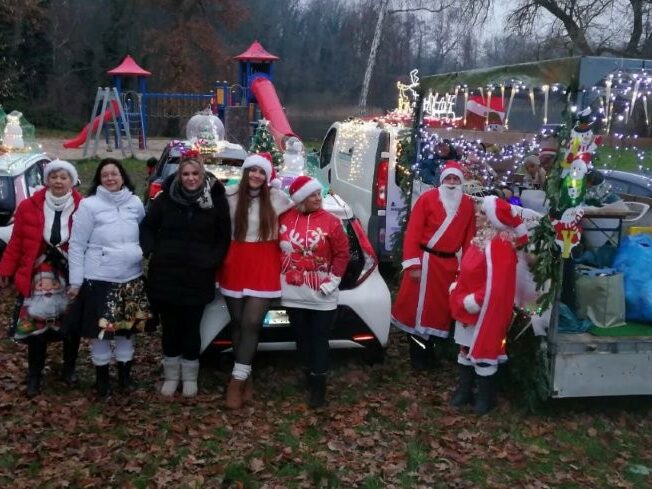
{"x":171,"y":375}
{"x":486,"y":398}
{"x":464,"y":391}
{"x":189,"y":374}
{"x":317,"y":390}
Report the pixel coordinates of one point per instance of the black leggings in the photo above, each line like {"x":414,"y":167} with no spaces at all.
{"x":312,"y":330}
{"x":247,"y":315}
{"x":37,"y":347}
{"x":181,"y":336}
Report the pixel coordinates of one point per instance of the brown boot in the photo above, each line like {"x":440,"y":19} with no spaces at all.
{"x":234,"y":393}
{"x":248,"y":391}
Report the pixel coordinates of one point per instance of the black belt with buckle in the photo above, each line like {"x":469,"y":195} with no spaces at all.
{"x":440,"y":254}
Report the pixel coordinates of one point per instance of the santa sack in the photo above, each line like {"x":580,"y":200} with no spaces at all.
{"x":600,"y":296}
{"x":634,"y":259}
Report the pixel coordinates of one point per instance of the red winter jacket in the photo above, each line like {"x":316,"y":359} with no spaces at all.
{"x":26,"y":243}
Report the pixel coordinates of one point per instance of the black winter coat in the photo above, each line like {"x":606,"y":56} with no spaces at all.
{"x":185,"y":246}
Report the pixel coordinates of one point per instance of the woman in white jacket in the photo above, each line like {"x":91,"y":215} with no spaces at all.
{"x":106,"y":268}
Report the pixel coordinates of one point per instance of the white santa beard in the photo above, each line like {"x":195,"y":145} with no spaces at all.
{"x":44,"y":306}
{"x":450,"y":198}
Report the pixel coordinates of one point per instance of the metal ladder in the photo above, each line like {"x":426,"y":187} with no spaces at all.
{"x":108,"y":99}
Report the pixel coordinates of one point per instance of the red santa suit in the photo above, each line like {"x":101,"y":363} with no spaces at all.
{"x":482,"y":300}
{"x":437,"y":231}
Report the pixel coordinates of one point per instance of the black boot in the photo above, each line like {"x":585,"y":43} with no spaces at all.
{"x":317,"y":390}
{"x":418,"y":353}
{"x":464,"y":391}
{"x":486,"y":398}
{"x":70,"y":350}
{"x":102,"y":386}
{"x":124,"y":375}
{"x":36,"y":350}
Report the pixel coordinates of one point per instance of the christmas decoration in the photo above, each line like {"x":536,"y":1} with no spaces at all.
{"x":13,"y":133}
{"x":568,"y":230}
{"x":293,"y":158}
{"x":263,"y":142}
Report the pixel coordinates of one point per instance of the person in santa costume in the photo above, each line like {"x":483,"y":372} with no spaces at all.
{"x":250,"y":277}
{"x":440,"y":226}
{"x":314,"y":256}
{"x":482,"y":301}
{"x":40,"y":238}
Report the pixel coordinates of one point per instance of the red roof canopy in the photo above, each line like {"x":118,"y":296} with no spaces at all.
{"x":256,"y":52}
{"x":129,"y":67}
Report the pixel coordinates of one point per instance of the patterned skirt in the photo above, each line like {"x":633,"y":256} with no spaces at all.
{"x":104,"y":309}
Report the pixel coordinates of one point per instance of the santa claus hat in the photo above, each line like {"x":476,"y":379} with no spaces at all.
{"x":56,"y":165}
{"x":549,"y":146}
{"x":302,"y":187}
{"x":452,"y":167}
{"x":44,"y":270}
{"x":264,"y":161}
{"x":503,"y":216}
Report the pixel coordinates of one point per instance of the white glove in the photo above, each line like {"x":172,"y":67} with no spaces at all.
{"x":327,"y":288}
{"x":452,"y":287}
{"x":471,"y":306}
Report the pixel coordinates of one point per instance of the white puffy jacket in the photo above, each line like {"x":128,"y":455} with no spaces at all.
{"x":104,"y":239}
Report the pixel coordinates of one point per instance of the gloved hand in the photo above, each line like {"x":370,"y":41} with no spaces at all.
{"x":471,"y":306}
{"x":327,"y":288}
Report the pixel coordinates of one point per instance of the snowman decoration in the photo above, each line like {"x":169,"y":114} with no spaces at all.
{"x":293,"y":158}
{"x":13,"y":134}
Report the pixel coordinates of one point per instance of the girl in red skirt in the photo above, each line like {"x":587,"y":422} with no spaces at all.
{"x":251,"y":274}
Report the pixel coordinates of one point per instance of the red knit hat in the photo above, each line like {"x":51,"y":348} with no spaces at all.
{"x":302,"y":187}
{"x":503,"y":216}
{"x":452,"y":167}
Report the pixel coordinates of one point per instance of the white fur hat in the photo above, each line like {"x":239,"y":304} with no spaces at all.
{"x":56,"y":165}
{"x":264,"y":161}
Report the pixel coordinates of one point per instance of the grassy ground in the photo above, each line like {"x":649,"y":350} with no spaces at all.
{"x":625,"y":159}
{"x":384,"y":427}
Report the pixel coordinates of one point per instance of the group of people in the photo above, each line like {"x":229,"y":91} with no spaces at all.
{"x":459,"y":267}
{"x":78,"y":268}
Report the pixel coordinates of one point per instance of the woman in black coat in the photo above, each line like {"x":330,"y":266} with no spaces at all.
{"x":186,"y":234}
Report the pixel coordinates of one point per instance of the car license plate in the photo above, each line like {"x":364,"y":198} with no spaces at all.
{"x":276,"y":319}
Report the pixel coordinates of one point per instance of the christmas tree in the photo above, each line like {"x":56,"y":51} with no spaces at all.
{"x":263,"y":141}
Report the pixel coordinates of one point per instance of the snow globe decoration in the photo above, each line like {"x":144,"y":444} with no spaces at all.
{"x":205,"y":129}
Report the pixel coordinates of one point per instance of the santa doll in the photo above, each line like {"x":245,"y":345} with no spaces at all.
{"x":440,"y":227}
{"x":482,"y":300}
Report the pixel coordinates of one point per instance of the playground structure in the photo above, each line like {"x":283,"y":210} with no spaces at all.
{"x":238,"y":105}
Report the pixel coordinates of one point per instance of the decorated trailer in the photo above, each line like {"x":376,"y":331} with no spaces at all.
{"x":584,"y":306}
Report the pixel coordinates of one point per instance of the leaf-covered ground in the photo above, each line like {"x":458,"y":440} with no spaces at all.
{"x":383,"y":428}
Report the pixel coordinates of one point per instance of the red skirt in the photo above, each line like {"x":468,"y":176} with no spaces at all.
{"x":251,"y":269}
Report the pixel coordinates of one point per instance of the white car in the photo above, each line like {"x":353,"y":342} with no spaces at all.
{"x":21,"y":174}
{"x":364,"y":299}
{"x":358,"y":160}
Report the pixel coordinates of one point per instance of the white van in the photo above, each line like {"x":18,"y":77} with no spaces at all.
{"x":358,"y":160}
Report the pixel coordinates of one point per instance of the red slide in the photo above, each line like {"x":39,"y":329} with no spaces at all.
{"x":272,"y":110}
{"x":80,"y":138}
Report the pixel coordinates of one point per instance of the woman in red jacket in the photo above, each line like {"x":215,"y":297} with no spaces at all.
{"x":37,"y":258}
{"x":315,"y":253}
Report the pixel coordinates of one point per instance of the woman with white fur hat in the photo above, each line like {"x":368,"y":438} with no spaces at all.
{"x":250,"y":277}
{"x":39,"y":240}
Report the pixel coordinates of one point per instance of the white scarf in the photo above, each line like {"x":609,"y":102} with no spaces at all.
{"x":65,"y":204}
{"x":118,"y":197}
{"x":450,"y":197}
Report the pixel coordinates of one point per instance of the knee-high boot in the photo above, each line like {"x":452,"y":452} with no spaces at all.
{"x":317,"y":390}
{"x":70,"y":350}
{"x":418,"y":352}
{"x":464,"y":391}
{"x":36,"y":351}
{"x":486,"y":398}
{"x":102,"y":385}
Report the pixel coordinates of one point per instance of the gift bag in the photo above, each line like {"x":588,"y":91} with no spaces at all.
{"x":634,"y":259}
{"x":600,"y":296}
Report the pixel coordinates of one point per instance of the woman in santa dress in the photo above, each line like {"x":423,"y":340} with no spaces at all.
{"x":482,"y":301}
{"x":250,"y":277}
